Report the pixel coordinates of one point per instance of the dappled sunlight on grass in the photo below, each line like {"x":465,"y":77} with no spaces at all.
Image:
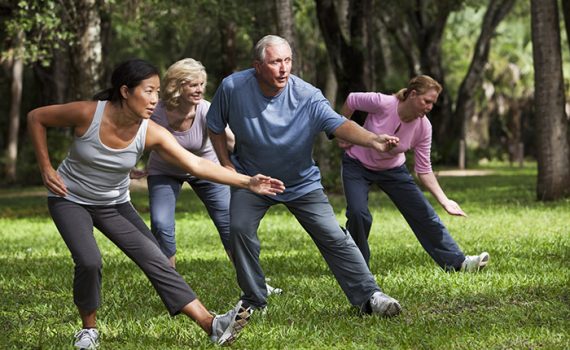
{"x":521,"y":300}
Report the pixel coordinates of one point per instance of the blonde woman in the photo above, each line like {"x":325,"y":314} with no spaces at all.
{"x":182,"y":111}
{"x":402,"y":115}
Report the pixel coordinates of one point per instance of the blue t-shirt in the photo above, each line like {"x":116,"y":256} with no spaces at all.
{"x":274,"y":136}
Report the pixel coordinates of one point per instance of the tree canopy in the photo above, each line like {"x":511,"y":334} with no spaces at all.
{"x":480,"y":50}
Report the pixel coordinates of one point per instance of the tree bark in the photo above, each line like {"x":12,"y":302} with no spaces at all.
{"x":285,"y":18}
{"x":551,"y":121}
{"x":16,"y":75}
{"x":417,"y":27}
{"x":228,"y":29}
{"x":346,"y":56}
{"x":465,"y":105}
{"x":87,"y":59}
{"x":264,"y":21}
{"x":566,"y":14}
{"x":428,"y":30}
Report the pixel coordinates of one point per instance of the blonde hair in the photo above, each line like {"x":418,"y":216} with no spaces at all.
{"x":421,"y":84}
{"x":178,"y":74}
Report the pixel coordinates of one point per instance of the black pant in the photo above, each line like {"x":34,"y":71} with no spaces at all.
{"x":125,"y":228}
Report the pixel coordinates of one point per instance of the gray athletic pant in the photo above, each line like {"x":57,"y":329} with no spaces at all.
{"x":316,"y":215}
{"x":125,"y":228}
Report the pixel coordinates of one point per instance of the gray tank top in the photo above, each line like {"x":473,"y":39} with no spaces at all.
{"x":96,"y":174}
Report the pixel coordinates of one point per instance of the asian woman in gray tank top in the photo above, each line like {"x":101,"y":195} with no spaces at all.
{"x":90,"y":189}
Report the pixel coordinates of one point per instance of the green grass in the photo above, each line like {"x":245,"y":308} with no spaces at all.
{"x":522,"y":301}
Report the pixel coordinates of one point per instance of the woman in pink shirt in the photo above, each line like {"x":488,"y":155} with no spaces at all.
{"x":401,"y":115}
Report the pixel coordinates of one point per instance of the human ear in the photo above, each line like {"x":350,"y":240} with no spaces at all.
{"x":124,"y":91}
{"x":256,"y":65}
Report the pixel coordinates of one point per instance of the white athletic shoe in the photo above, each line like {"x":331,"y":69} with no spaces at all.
{"x":226,"y":327}
{"x":87,"y":339}
{"x":382,"y":304}
{"x":474,"y":263}
{"x":272,"y":290}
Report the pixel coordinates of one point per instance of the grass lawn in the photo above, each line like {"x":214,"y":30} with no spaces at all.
{"x":522,"y":301}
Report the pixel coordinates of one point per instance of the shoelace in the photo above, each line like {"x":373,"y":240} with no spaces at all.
{"x":86,"y":333}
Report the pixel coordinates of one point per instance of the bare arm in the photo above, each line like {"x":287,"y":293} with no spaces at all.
{"x":355,"y":134}
{"x":77,"y":115}
{"x":231,"y":139}
{"x":347,"y":112}
{"x":160,"y":140}
{"x":220,"y":144}
{"x":351,"y":133}
{"x":430,"y":182}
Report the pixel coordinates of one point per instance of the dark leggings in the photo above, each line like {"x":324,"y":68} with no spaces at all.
{"x":125,"y":228}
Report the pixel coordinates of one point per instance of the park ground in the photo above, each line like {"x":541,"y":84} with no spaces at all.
{"x":522,"y":301}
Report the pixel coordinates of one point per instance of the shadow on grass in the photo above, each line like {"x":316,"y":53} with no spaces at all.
{"x":508,"y":187}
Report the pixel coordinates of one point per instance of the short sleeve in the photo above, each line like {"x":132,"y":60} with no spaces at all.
{"x":325,"y":117}
{"x":217,"y":116}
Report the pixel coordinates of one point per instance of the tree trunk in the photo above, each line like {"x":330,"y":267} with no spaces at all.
{"x":228,"y":29}
{"x":428,"y":30}
{"x":264,"y":21}
{"x":417,"y":27}
{"x":105,"y":13}
{"x":16,"y":75}
{"x":551,"y":122}
{"x":465,"y":105}
{"x":346,"y":56}
{"x":54,"y":81}
{"x":87,"y":55}
{"x":566,"y":14}
{"x":285,"y":19}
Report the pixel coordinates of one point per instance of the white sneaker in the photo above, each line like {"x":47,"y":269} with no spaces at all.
{"x":474,"y":263}
{"x":226,"y":327}
{"x":87,"y":339}
{"x":273,"y":290}
{"x":382,"y":304}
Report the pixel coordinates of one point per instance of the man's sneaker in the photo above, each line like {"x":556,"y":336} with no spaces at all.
{"x":87,"y":338}
{"x":273,"y":290}
{"x":474,"y":263}
{"x":382,"y":305}
{"x":226,"y":327}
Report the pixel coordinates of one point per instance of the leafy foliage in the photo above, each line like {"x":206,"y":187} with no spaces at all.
{"x":43,"y":27}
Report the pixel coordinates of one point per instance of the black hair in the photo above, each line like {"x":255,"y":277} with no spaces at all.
{"x":129,"y":73}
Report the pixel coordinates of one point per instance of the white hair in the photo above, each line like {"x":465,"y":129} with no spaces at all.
{"x":263,"y":43}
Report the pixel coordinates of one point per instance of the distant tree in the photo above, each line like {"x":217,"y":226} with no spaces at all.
{"x":346,"y":51}
{"x":551,"y":120}
{"x":465,"y":105}
{"x":14,"y":65}
{"x":84,"y":19}
{"x":566,"y":14}
{"x":31,"y":30}
{"x":285,"y":20}
{"x":418,"y":28}
{"x":228,"y":29}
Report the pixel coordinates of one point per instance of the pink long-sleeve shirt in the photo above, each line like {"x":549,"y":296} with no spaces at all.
{"x":383,"y":119}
